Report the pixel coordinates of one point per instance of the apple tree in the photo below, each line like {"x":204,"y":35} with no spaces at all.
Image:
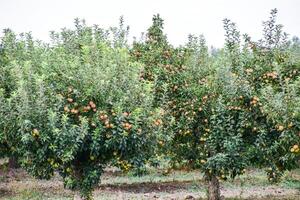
{"x":82,"y":107}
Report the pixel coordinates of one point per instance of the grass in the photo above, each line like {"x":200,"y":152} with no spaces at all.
{"x":29,"y":194}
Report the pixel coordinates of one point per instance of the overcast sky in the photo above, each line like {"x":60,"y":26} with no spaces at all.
{"x":181,"y":17}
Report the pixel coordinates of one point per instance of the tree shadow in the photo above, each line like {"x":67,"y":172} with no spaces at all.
{"x":147,"y":187}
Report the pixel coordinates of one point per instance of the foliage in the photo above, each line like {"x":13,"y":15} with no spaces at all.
{"x":79,"y":107}
{"x":230,"y":110}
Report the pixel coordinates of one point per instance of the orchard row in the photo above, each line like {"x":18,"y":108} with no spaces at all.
{"x":88,"y":99}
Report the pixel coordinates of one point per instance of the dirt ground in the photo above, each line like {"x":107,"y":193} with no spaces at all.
{"x":17,"y":185}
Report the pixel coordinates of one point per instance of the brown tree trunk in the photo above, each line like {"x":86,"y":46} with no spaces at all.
{"x":213,"y":187}
{"x":12,"y":162}
{"x":78,"y":195}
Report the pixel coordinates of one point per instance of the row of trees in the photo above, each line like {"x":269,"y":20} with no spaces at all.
{"x":88,"y":99}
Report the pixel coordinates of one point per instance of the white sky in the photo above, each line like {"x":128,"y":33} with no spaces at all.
{"x":181,"y":17}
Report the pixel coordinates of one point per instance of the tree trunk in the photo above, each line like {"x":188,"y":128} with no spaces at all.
{"x":12,"y":162}
{"x":80,"y":194}
{"x":213,"y":187}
